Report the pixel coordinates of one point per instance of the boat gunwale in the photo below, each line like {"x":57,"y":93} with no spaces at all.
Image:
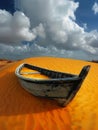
{"x":72,"y":77}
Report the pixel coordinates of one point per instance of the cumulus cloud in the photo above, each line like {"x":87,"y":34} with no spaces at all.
{"x":59,"y":23}
{"x":52,"y":24}
{"x":95,"y":8}
{"x":24,"y":51}
{"x":16,"y":28}
{"x":39,"y":31}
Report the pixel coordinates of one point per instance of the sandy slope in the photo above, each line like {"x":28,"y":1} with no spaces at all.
{"x":20,"y":110}
{"x":4,"y":62}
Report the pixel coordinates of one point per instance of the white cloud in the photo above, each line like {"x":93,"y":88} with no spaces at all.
{"x":24,"y":51}
{"x":53,"y":22}
{"x":95,"y":8}
{"x":15,"y":28}
{"x":39,"y":31}
{"x":58,"y":22}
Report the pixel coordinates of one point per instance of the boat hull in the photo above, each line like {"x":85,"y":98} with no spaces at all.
{"x":62,"y":87}
{"x":47,"y":90}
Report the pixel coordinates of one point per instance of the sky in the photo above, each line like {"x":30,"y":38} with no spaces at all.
{"x":65,"y":28}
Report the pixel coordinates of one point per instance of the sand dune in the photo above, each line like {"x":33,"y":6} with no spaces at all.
{"x":20,"y":110}
{"x":4,"y":62}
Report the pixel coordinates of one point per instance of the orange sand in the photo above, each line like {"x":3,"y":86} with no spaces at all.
{"x":20,"y":110}
{"x":4,"y":62}
{"x":32,"y":76}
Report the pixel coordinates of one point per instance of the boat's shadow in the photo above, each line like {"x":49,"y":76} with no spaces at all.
{"x":14,"y":100}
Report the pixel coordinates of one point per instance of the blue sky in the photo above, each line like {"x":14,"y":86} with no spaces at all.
{"x":8,"y":5}
{"x":85,"y":14}
{"x":65,"y":28}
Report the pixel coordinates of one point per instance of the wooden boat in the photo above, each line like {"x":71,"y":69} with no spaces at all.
{"x":50,"y":84}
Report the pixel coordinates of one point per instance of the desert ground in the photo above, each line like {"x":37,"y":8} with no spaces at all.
{"x":4,"y":62}
{"x":20,"y":110}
